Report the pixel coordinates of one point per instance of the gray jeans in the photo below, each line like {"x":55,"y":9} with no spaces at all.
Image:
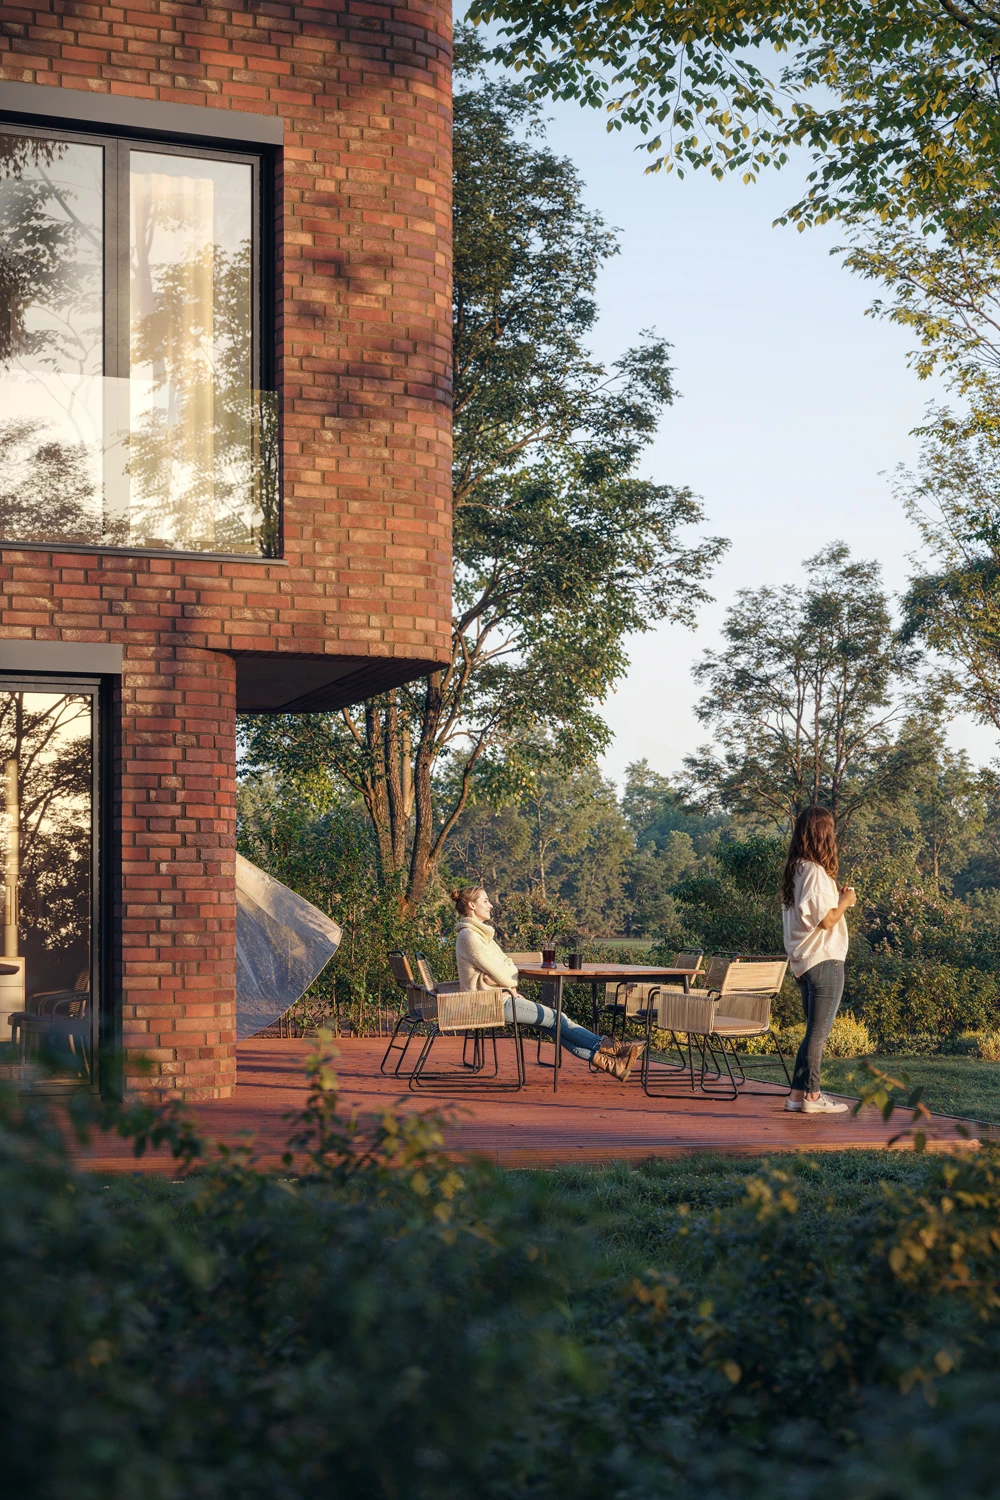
{"x":822,"y":988}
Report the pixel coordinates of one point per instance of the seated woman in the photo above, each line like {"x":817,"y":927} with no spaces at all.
{"x":483,"y":965}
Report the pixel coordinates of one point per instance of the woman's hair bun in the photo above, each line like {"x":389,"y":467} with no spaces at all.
{"x":454,"y":895}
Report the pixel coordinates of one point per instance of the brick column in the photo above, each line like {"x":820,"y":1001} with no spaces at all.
{"x":178,"y":851}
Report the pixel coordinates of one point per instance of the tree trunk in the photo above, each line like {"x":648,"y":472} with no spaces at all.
{"x":395,"y":800}
{"x":374,"y":792}
{"x":421,"y":865}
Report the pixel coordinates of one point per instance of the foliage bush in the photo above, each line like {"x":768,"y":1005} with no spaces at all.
{"x":902,"y":1000}
{"x":367,"y":1324}
{"x":984,"y":1043}
{"x":325,"y":853}
{"x":848,"y":1037}
{"x":344,"y":1328}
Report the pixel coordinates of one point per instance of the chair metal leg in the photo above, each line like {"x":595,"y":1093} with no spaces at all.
{"x":403,"y":1020}
{"x":453,"y":1082}
{"x":667,"y":1070}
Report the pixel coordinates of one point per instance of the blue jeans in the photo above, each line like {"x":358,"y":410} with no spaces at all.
{"x":822,"y":987}
{"x":580,"y":1041}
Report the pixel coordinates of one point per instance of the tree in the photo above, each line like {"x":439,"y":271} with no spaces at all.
{"x":955,"y":606}
{"x":560,"y":550}
{"x":803,"y":698}
{"x":898,"y":103}
{"x":656,"y":809}
{"x":563,"y":841}
{"x":736,"y":907}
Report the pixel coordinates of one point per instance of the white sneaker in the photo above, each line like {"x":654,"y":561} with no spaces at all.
{"x":823,"y":1106}
{"x":791,"y":1103}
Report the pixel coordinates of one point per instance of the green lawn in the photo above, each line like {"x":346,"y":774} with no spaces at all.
{"x":965,"y":1086}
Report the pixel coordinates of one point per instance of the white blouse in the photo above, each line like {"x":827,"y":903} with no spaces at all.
{"x":806,"y":942}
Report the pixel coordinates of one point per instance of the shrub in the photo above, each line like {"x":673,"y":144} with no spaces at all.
{"x":369,"y":1330}
{"x":984,"y":1044}
{"x":901,"y":999}
{"x":848,"y":1037}
{"x":350,"y":1331}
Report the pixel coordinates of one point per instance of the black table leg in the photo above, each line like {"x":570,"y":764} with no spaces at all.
{"x":558,"y":1036}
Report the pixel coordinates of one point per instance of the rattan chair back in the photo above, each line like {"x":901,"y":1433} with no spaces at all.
{"x":400,"y":966}
{"x":526,"y":960}
{"x":691,"y":961}
{"x":716,"y":970}
{"x":633,"y":994}
{"x":754,"y":974}
{"x":424,"y":971}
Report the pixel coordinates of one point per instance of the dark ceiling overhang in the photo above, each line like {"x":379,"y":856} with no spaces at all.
{"x":273,"y":683}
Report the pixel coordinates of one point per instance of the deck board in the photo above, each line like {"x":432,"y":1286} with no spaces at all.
{"x":593,"y":1118}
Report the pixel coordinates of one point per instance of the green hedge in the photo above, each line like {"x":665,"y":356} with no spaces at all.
{"x":912,"y":1004}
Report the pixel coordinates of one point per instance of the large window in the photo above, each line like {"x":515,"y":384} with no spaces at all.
{"x":48,"y":879}
{"x":131,"y":408}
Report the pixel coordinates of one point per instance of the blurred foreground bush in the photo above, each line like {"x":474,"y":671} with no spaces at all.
{"x":372,"y":1327}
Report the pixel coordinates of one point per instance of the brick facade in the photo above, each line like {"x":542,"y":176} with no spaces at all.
{"x":363,"y":345}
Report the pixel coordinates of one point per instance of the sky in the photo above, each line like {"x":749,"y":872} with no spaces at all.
{"x":795,"y":407}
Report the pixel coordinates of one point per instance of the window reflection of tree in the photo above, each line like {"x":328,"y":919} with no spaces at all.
{"x":49,"y":264}
{"x":200,"y":469}
{"x":202,"y":455}
{"x":47,"y":489}
{"x":51,"y":335}
{"x":50,"y":738}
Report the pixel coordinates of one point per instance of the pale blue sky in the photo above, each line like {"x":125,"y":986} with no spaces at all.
{"x":795,"y":405}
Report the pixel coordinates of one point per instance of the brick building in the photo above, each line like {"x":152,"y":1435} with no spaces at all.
{"x":224,"y":466}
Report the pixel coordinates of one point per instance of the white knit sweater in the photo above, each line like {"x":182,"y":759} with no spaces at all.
{"x":482,"y":963}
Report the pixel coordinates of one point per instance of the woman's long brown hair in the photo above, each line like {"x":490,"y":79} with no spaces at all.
{"x":814,"y":838}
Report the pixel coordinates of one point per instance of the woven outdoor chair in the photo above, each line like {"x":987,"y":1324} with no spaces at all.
{"x":627,"y":1000}
{"x":411,"y":1019}
{"x":55,"y":1020}
{"x":465,"y":1013}
{"x":734,"y":1006}
{"x":450,"y":986}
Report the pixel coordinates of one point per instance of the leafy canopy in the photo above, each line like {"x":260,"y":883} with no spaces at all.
{"x":896,"y":99}
{"x":803,"y":698}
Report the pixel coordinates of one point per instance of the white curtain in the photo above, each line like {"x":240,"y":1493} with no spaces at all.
{"x":282,"y":944}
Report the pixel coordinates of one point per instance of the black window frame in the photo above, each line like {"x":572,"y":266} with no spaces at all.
{"x":105,"y":1012}
{"x":117,"y":147}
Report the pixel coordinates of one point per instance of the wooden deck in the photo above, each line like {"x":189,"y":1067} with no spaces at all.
{"x":593,"y":1118}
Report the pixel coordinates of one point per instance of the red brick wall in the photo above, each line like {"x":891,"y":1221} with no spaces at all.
{"x":363,"y":349}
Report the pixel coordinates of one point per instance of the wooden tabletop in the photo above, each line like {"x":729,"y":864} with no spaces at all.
{"x":602,"y":971}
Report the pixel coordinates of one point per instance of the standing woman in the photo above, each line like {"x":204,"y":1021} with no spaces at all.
{"x":813,"y":908}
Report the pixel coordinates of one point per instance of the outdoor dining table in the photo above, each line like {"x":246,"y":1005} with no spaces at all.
{"x":595,"y":974}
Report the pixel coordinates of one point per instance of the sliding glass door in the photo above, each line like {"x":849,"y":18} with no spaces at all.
{"x":48,"y":859}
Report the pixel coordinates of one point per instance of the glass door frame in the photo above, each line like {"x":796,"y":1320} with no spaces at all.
{"x":105,"y":1015}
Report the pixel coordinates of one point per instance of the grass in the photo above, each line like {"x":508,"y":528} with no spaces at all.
{"x":964,"y":1086}
{"x":638,"y":1215}
{"x":615,"y":1221}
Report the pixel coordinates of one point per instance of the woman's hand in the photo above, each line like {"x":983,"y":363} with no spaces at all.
{"x":848,"y":897}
